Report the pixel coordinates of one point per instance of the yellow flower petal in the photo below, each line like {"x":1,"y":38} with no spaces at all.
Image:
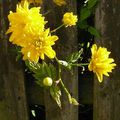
{"x":100,"y":77}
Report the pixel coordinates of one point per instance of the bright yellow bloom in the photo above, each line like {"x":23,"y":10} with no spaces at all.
{"x":25,"y":24}
{"x":40,"y":46}
{"x":69,"y":19}
{"x":100,"y":62}
{"x":34,"y":1}
{"x":60,"y":2}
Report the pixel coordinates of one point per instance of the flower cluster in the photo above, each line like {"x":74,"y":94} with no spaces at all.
{"x":28,"y":31}
{"x":100,"y":62}
{"x":27,"y":28}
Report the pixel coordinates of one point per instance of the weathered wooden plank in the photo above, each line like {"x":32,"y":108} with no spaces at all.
{"x":12,"y":91}
{"x":67,"y":44}
{"x":107,"y":94}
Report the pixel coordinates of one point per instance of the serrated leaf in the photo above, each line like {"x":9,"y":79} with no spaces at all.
{"x":47,"y":69}
{"x":84,"y":13}
{"x":56,"y":94}
{"x":94,"y":32}
{"x":34,"y":67}
{"x":40,"y":75}
{"x":91,"y":3}
{"x":53,"y":72}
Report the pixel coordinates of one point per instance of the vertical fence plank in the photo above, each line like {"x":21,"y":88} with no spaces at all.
{"x":67,"y":43}
{"x":107,"y":94}
{"x":12,"y":91}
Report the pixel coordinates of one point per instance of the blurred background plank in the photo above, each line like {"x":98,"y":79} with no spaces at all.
{"x":13,"y":104}
{"x":107,"y":94}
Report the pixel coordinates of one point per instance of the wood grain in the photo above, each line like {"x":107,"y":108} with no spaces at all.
{"x":107,"y":94}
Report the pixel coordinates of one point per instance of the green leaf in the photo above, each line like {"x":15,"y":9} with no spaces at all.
{"x":33,"y":113}
{"x":47,"y":69}
{"x":83,"y":24}
{"x":74,"y":101}
{"x":75,"y":56}
{"x":53,"y":71}
{"x":91,"y":3}
{"x":85,"y":13}
{"x":94,"y":32}
{"x":19,"y":56}
{"x":41,"y":71}
{"x":56,"y":94}
{"x":34,"y":67}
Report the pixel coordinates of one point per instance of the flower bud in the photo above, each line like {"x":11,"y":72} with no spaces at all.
{"x":47,"y":81}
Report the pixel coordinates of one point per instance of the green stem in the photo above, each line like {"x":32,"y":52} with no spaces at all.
{"x":57,"y":28}
{"x":65,"y":89}
{"x":81,"y":64}
{"x":62,"y":84}
{"x":47,"y":12}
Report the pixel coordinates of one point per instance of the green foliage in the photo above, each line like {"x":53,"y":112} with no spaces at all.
{"x":86,"y":11}
{"x":56,"y":94}
{"x":41,"y":71}
{"x":44,"y":70}
{"x":33,"y":67}
{"x":71,"y":59}
{"x":93,"y":31}
{"x":75,"y":56}
{"x":19,"y":56}
{"x":91,"y":3}
{"x":83,"y":24}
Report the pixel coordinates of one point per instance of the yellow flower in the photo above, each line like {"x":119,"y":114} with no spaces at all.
{"x":33,"y":1}
{"x":59,"y":2}
{"x":69,"y":19}
{"x":100,"y":62}
{"x":40,"y":46}
{"x":25,"y":24}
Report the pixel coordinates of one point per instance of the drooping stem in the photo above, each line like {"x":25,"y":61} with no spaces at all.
{"x":57,"y":28}
{"x":61,"y":82}
{"x":66,"y":91}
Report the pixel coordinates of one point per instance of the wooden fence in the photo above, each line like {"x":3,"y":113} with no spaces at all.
{"x":17,"y":93}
